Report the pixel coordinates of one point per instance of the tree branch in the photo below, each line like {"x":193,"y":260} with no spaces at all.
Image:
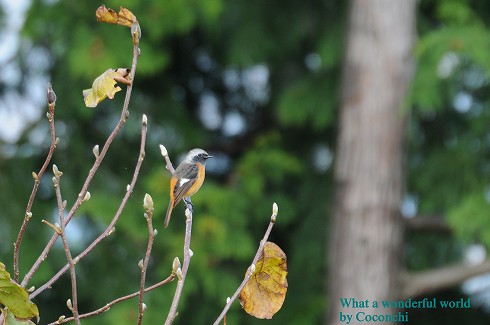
{"x":73,"y":303}
{"x":63,"y":320}
{"x":251,"y":269}
{"x":182,"y":273}
{"x":148,"y":205}
{"x":168,"y":163}
{"x":433,"y":280}
{"x":111,"y":227}
{"x":37,"y":179}
{"x":428,"y":223}
{"x":95,"y":167}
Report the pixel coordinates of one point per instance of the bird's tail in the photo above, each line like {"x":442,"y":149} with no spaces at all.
{"x":169,"y":213}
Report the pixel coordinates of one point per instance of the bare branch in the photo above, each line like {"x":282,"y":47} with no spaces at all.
{"x":251,"y":268}
{"x":37,"y":178}
{"x":93,"y":170}
{"x":111,"y":227}
{"x":106,"y":307}
{"x":182,"y":273}
{"x":168,"y":163}
{"x":148,"y":205}
{"x":433,"y":280}
{"x":73,"y":277}
{"x":428,"y":223}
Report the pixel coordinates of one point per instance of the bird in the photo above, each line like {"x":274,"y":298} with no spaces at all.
{"x":187,"y":178}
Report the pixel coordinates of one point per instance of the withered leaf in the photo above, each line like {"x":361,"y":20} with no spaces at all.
{"x":105,"y":86}
{"x":264,"y":293}
{"x":124,"y":17}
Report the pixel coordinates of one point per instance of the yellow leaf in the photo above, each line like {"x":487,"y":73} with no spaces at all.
{"x":105,"y":86}
{"x":264,"y":293}
{"x":124,"y":17}
{"x":15,"y":297}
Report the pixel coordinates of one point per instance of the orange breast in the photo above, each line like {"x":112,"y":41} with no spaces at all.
{"x":200,"y":179}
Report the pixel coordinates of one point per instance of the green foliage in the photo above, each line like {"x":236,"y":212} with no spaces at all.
{"x":304,"y":102}
{"x":469,"y":218}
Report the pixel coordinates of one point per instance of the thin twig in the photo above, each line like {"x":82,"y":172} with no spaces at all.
{"x":37,"y":179}
{"x":181,"y":274}
{"x":95,"y":167}
{"x":251,"y":269}
{"x":63,"y":320}
{"x":148,"y":205}
{"x":168,"y":163}
{"x":73,"y":304}
{"x":110,"y":228}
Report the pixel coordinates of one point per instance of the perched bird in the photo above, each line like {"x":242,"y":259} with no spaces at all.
{"x":187,"y":178}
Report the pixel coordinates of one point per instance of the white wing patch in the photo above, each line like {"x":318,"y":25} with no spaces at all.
{"x":182,"y":181}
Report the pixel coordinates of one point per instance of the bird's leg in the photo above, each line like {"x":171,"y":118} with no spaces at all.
{"x":188,"y":203}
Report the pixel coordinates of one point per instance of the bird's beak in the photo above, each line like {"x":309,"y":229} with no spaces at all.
{"x":209,"y":157}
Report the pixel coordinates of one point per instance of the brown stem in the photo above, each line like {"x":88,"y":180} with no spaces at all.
{"x":93,"y":170}
{"x":71,"y":263}
{"x":110,"y":228}
{"x":185,"y":266}
{"x":37,"y":179}
{"x":151,"y":235}
{"x":426,"y":282}
{"x":62,"y":320}
{"x":251,"y":269}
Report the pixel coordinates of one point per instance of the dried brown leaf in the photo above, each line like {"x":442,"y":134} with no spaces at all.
{"x":264,"y":293}
{"x":124,"y":17}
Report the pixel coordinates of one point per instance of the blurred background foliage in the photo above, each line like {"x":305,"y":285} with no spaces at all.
{"x":255,"y":83}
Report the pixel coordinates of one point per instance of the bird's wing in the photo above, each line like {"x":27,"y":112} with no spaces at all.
{"x":186,"y":178}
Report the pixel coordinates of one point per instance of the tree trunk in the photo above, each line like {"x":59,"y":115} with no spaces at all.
{"x":366,"y":239}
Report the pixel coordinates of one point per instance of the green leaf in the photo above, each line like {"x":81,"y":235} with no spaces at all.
{"x":15,"y":297}
{"x":11,"y":320}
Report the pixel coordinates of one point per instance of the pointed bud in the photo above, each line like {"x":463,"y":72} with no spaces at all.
{"x":163,"y":150}
{"x":148,"y":203}
{"x":62,"y":318}
{"x":175,"y":265}
{"x":95,"y":150}
{"x":31,"y":289}
{"x":144,"y":120}
{"x":57,"y":141}
{"x":34,"y":175}
{"x":113,"y":229}
{"x":29,"y":215}
{"x":86,"y":197}
{"x":128,"y":187}
{"x":252,"y":269}
{"x":63,"y":204}
{"x":56,"y":171}
{"x":275,"y":208}
{"x":155,"y":232}
{"x":51,"y":94}
{"x":179,"y":274}
{"x":143,"y":305}
{"x":140,"y":264}
{"x":69,"y":304}
{"x":191,"y":253}
{"x":228,"y":300}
